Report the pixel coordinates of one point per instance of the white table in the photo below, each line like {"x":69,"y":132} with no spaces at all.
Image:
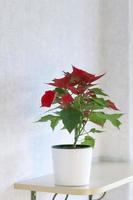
{"x":105,"y":176}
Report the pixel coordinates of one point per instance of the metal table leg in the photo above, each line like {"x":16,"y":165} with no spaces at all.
{"x":91,"y":197}
{"x":66,"y":197}
{"x":33,"y":195}
{"x":54,"y":196}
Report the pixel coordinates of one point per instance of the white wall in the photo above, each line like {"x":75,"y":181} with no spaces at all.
{"x":114,"y":59}
{"x":38,"y":40}
{"x":131,"y":84}
{"x":131,"y":73}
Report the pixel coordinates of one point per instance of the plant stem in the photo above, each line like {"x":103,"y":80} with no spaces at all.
{"x":78,"y":133}
{"x":75,"y":140}
{"x":76,"y":137}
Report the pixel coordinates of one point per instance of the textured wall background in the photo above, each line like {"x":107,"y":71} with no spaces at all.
{"x":131,"y":84}
{"x":38,"y":39}
{"x":114,"y":59}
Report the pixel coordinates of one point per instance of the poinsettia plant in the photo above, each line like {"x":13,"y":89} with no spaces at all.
{"x":77,"y":101}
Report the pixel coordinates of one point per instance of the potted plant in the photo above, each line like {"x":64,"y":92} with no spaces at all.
{"x":76,"y":102}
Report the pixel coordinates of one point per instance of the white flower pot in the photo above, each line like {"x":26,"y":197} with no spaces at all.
{"x":71,"y":166}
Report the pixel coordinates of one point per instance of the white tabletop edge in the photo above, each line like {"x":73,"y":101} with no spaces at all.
{"x":73,"y":190}
{"x":106,"y":176}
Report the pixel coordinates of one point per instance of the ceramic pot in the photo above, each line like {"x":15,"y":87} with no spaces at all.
{"x":72,"y":166}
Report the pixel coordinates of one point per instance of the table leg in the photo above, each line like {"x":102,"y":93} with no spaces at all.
{"x":66,"y":197}
{"x":54,"y":196}
{"x":91,"y":197}
{"x":33,"y":195}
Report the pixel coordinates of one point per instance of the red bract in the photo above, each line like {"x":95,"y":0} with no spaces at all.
{"x":66,"y":99}
{"x":62,"y":82}
{"x":73,"y":89}
{"x":110,"y":104}
{"x":81,"y":89}
{"x":76,"y":77}
{"x":48,"y":98}
{"x":84,"y":76}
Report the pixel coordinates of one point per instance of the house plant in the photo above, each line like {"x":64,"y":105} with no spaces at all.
{"x":77,"y":101}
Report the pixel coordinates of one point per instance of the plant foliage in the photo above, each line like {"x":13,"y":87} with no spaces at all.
{"x":80,"y":102}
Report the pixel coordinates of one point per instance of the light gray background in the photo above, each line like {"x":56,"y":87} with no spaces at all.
{"x":38,"y":40}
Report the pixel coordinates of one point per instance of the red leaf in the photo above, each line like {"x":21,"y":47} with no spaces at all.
{"x":66,"y":99}
{"x":73,"y":89}
{"x":110,"y":104}
{"x":84,"y":76}
{"x":62,"y":82}
{"x":48,"y":98}
{"x":81,"y":89}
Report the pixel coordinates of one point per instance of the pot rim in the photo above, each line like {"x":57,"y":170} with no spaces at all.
{"x":70,"y":146}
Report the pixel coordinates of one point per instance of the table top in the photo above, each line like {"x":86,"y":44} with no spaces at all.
{"x":105,"y":176}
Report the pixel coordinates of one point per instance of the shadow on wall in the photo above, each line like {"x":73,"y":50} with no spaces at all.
{"x":113,"y":57}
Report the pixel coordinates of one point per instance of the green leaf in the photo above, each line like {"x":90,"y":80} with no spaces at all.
{"x":99,"y":91}
{"x":98,"y":118}
{"x":88,"y":140}
{"x":52,"y":109}
{"x":71,"y":118}
{"x":54,"y":120}
{"x":92,"y":105}
{"x":93,"y":130}
{"x":100,"y":101}
{"x":114,"y":119}
{"x":45,"y":118}
{"x":60,"y":91}
{"x":79,"y":102}
{"x":96,"y":104}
